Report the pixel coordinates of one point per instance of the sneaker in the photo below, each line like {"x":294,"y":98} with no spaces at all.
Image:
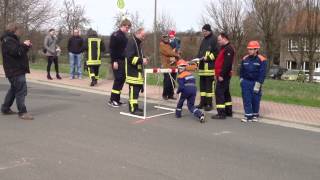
{"x":9,"y":112}
{"x":26,"y":116}
{"x":71,"y":77}
{"x":255,"y":119}
{"x":80,"y":77}
{"x":113,"y":104}
{"x":218,"y":116}
{"x":121,"y":103}
{"x":245,"y":119}
{"x":140,"y":110}
{"x":202,"y":118}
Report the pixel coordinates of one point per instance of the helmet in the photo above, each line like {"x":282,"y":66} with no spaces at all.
{"x":253,"y":45}
{"x":182,"y":62}
{"x":172,"y":33}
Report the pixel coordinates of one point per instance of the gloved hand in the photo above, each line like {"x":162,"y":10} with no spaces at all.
{"x":257,"y":87}
{"x":142,"y":89}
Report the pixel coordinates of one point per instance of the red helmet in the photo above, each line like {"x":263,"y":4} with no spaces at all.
{"x":253,"y":45}
{"x":172,"y":33}
{"x":182,"y":62}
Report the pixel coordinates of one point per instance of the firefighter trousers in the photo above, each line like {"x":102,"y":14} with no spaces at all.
{"x":251,"y":99}
{"x":93,"y":71}
{"x":190,"y":97}
{"x":223,"y":98}
{"x":206,"y":90}
{"x":119,"y":80}
{"x":134,"y":91}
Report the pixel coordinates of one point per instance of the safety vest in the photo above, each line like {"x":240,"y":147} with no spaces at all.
{"x":94,"y":56}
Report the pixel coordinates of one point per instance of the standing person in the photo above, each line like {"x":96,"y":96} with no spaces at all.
{"x":93,"y":46}
{"x":207,"y":53}
{"x":252,"y":75}
{"x":168,"y":60}
{"x":15,"y":65}
{"x":52,"y":51}
{"x":118,"y":44}
{"x":175,"y":43}
{"x":188,"y":90}
{"x":75,"y":48}
{"x":223,"y":70}
{"x":135,"y":60}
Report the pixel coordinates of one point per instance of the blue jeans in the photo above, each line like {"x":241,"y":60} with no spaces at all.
{"x":18,"y":91}
{"x":75,"y":64}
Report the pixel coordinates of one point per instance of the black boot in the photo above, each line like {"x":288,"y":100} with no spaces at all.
{"x":202,"y":102}
{"x":49,"y":77}
{"x":58,"y":76}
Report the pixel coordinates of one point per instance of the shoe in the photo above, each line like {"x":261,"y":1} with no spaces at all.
{"x":199,"y":106}
{"x":80,"y":77}
{"x":137,"y":113}
{"x":255,"y":119}
{"x":9,"y":112}
{"x":113,"y":104}
{"x":71,"y":77}
{"x":121,"y":103}
{"x":165,"y":98}
{"x":92,"y":83}
{"x":208,"y":108}
{"x":49,"y":77}
{"x":140,"y":110}
{"x":26,"y":116}
{"x":202,"y":118}
{"x":218,"y":116}
{"x":178,"y":116}
{"x":95,"y":82}
{"x":58,"y":76}
{"x":246,"y":119}
{"x":230,"y":115}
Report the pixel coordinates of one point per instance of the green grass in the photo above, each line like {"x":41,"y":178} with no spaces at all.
{"x":306,"y":94}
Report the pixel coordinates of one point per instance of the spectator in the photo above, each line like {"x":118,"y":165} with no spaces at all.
{"x":75,"y":48}
{"x":52,"y":50}
{"x":16,"y":65}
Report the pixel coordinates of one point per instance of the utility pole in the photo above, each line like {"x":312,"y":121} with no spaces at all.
{"x":155,"y":46}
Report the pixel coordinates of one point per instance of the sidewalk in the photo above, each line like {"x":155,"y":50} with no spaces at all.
{"x":270,"y":110}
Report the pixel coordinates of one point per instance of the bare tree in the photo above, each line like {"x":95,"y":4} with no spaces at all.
{"x":73,"y":16}
{"x":227,"y":16}
{"x":165,"y":23}
{"x":269,"y":15}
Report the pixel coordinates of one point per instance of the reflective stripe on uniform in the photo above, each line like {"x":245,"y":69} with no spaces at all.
{"x":115,"y":91}
{"x":203,"y":93}
{"x":228,"y":103}
{"x":90,"y":60}
{"x":210,"y":95}
{"x":220,"y":106}
{"x":135,"y":60}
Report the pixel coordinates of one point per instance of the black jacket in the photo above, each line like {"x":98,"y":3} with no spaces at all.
{"x":118,"y":43}
{"x":209,"y":43}
{"x":14,"y":53}
{"x":75,"y":45}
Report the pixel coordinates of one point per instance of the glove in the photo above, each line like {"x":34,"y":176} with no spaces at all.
{"x":257,"y":87}
{"x":142,"y":89}
{"x":241,"y":79}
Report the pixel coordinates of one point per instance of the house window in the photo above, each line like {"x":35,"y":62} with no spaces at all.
{"x":305,"y":66}
{"x":293,"y":45}
{"x":291,"y":65}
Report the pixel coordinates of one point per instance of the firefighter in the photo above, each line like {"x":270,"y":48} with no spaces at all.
{"x":94,"y":46}
{"x":188,"y":90}
{"x":135,"y":62}
{"x":207,"y":53}
{"x":223,"y":71}
{"x":252,"y":75}
{"x":118,"y":43}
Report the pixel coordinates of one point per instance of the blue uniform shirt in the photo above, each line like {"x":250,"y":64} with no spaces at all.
{"x":187,"y":83}
{"x":253,"y":68}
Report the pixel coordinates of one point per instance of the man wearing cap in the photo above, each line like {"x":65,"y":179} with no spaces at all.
{"x":207,"y":53}
{"x":168,"y":60}
{"x":252,"y":75}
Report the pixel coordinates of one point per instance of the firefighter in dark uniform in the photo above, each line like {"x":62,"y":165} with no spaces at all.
{"x":207,"y":53}
{"x":118,"y":43}
{"x":252,"y":75}
{"x":135,"y":62}
{"x":94,"y":46}
{"x":223,"y":71}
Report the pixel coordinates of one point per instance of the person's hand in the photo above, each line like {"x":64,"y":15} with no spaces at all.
{"x":220,"y":78}
{"x":145,"y":61}
{"x":27,"y":43}
{"x":115,"y":65}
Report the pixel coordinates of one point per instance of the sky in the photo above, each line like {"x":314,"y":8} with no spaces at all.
{"x":186,"y":13}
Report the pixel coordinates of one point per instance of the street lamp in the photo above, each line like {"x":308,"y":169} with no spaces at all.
{"x":155,"y":46}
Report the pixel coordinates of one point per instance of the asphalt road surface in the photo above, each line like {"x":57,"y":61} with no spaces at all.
{"x":75,"y":136}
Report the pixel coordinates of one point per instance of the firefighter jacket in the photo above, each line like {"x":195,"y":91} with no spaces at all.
{"x":134,"y":62}
{"x":253,"y":68}
{"x":224,"y":61}
{"x":208,"y":51}
{"x":94,"y":46}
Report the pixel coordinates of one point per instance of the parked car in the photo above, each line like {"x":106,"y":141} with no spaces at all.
{"x":316,"y":77}
{"x":276,"y":72}
{"x":295,"y":75}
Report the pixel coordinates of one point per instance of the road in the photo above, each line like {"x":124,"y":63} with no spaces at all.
{"x":75,"y":136}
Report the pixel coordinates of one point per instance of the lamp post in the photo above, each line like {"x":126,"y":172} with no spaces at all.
{"x":155,"y":46}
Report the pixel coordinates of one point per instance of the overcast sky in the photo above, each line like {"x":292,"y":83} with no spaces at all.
{"x":186,"y":13}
